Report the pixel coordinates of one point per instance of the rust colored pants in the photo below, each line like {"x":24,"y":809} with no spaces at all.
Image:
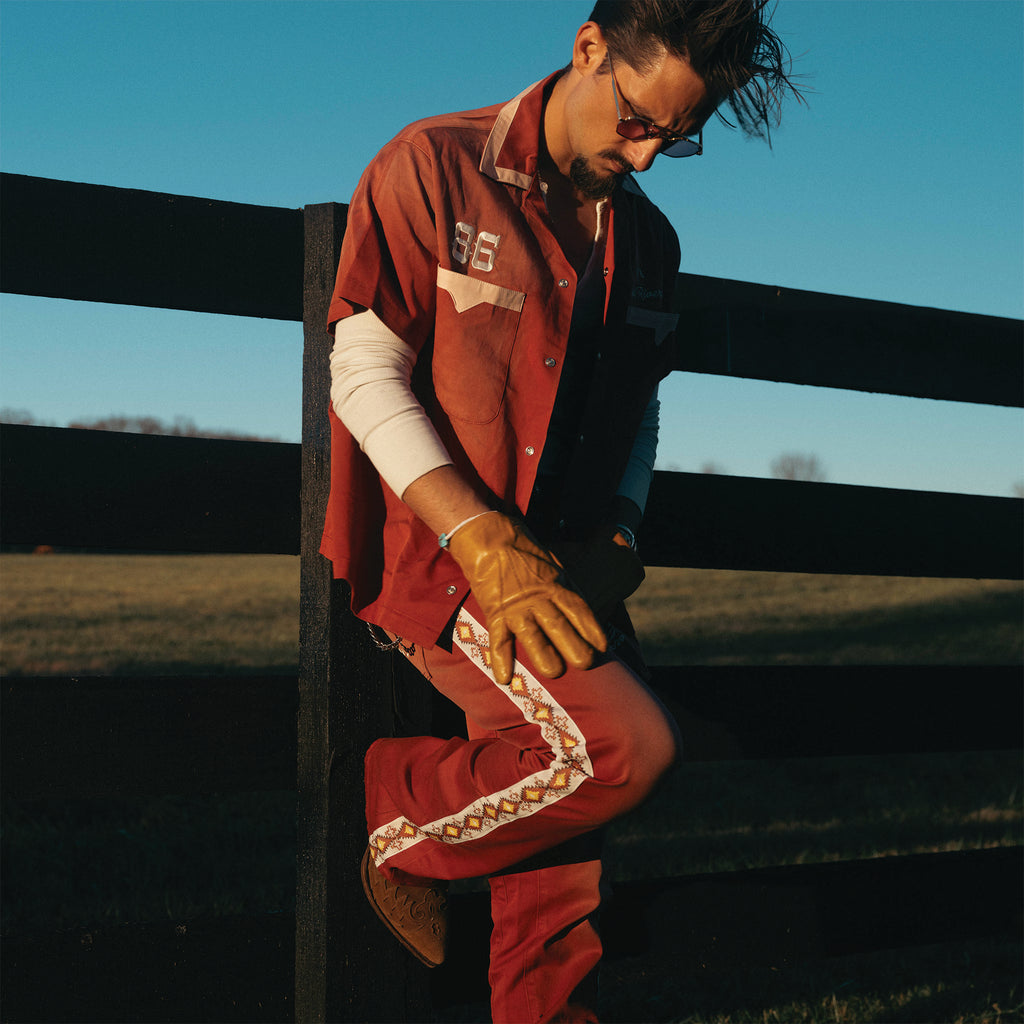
{"x":546,"y":761}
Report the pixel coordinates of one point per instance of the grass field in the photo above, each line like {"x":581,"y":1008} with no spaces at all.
{"x":148,"y":614}
{"x":78,"y":614}
{"x":720,"y":617}
{"x":87,"y":863}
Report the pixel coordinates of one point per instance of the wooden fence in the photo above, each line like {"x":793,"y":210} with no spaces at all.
{"x":86,"y":737}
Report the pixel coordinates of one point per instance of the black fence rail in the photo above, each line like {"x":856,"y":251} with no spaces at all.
{"x":87,"y":737}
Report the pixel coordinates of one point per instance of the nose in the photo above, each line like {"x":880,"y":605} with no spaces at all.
{"x":641,"y":154}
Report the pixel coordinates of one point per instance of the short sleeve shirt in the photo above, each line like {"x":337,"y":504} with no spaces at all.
{"x":448,"y":242}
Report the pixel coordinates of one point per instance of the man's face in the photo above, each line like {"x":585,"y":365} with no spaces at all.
{"x":671,"y":95}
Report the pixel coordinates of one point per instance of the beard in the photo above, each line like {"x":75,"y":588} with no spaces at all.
{"x":592,"y":185}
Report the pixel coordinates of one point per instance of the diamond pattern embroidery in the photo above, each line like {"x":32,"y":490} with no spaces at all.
{"x":570,"y":767}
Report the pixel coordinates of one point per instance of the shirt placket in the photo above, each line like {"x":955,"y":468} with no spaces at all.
{"x":549,"y":338}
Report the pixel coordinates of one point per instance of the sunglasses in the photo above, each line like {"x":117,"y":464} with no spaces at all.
{"x":638,"y":128}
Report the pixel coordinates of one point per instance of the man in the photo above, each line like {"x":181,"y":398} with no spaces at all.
{"x":502,"y":319}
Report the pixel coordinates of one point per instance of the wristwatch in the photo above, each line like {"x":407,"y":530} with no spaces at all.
{"x":627,"y":535}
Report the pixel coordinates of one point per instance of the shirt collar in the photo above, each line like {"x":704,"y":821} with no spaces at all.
{"x":510,"y":153}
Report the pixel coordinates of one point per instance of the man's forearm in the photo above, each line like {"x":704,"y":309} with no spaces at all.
{"x":442,"y":499}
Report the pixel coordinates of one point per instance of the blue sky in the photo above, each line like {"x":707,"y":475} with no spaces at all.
{"x":901,"y":180}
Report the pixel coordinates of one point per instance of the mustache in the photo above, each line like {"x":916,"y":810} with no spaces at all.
{"x":617,"y":158}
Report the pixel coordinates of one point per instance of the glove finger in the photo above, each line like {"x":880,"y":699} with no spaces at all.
{"x":502,"y":652}
{"x":582,"y":619}
{"x":536,"y":644}
{"x":561,"y":632}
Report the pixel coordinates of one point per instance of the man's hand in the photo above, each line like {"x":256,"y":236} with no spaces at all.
{"x":605,"y":570}
{"x":525,"y":598}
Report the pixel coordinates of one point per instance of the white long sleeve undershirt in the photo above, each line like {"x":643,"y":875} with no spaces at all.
{"x":371,"y":391}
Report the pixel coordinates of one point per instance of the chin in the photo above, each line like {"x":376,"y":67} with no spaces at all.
{"x":591,"y":183}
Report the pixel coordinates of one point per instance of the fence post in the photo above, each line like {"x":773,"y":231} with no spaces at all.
{"x":346,"y":966}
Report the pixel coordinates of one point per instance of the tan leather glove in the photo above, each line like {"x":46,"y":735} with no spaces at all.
{"x":525,"y":598}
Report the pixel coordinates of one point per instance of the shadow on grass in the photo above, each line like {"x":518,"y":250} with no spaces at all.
{"x":728,"y":816}
{"x":84,"y":863}
{"x":963,"y":982}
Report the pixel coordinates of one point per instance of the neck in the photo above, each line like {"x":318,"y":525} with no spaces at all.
{"x":555,"y":153}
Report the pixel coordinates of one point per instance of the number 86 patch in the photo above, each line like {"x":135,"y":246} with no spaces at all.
{"x":478,"y":250}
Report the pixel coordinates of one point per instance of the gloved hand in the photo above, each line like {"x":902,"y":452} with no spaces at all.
{"x":604,"y":569}
{"x":525,"y":598}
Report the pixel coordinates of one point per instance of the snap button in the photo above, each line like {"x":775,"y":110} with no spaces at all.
{"x":550,"y":361}
{"x":452,"y":589}
{"x":563,"y":283}
{"x":530,"y":449}
{"x":606,"y":271}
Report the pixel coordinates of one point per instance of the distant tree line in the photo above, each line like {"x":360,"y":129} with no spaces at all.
{"x":789,"y":466}
{"x":181,"y":427}
{"x":795,"y":466}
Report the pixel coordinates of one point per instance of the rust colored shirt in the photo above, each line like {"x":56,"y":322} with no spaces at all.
{"x":449,"y":243}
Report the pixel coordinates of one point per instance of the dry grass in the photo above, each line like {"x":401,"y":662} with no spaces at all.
{"x":723,"y":617}
{"x":106,"y":614}
{"x":126,"y":614}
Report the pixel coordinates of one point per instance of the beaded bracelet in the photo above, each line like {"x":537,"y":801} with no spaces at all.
{"x":444,"y":538}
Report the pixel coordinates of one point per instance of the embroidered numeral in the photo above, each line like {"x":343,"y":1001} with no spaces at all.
{"x":463,"y":241}
{"x":484,"y":251}
{"x":479,"y":251}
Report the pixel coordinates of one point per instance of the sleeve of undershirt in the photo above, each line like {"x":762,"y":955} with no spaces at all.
{"x":636,"y":481}
{"x":371,"y":371}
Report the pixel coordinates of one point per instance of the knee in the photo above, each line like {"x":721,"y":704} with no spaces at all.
{"x":654,"y":749}
{"x":639,"y":751}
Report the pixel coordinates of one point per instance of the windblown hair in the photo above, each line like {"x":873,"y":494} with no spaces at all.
{"x":729,"y":43}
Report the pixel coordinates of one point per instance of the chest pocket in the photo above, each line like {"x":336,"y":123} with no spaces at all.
{"x":661,"y":324}
{"x":474,"y":335}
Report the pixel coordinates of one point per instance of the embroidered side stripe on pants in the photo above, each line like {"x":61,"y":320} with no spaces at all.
{"x":570,"y":767}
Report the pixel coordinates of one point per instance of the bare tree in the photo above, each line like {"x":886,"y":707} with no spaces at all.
{"x":796,"y":466}
{"x":17,"y":416}
{"x":1018,"y":489}
{"x":711,"y":468}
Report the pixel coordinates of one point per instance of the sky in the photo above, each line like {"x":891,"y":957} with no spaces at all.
{"x":900,"y":180}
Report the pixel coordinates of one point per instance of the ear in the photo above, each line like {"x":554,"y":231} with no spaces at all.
{"x":589,"y":48}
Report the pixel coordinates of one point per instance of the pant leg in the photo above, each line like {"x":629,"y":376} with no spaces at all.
{"x":544,"y":943}
{"x":545,"y":761}
{"x":553,"y":760}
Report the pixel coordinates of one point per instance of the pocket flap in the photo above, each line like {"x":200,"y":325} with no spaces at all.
{"x":467,"y":292}
{"x":663,"y":324}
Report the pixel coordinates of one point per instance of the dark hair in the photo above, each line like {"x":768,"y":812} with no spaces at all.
{"x":729,"y":43}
